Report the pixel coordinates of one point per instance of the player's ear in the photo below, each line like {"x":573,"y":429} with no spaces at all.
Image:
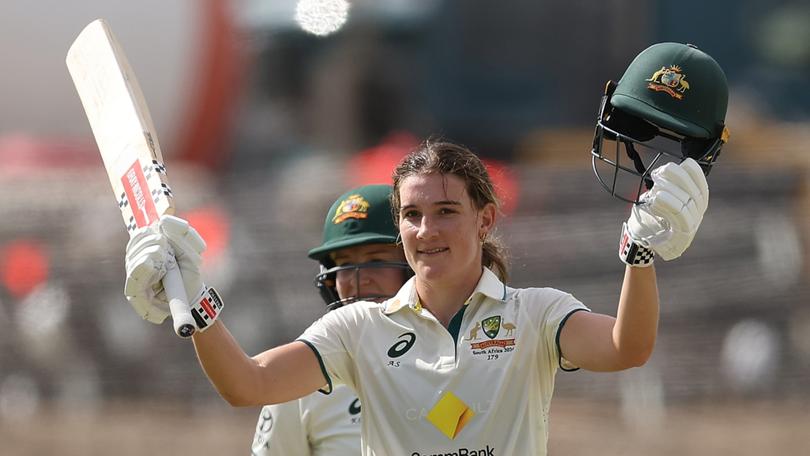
{"x":486,"y":218}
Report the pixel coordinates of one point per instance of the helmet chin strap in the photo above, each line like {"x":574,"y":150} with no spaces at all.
{"x":637,"y":163}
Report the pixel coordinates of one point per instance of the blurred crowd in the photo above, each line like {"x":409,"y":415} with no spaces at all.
{"x":520,"y":86}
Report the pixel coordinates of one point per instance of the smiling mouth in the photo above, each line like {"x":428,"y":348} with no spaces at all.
{"x":432,"y":251}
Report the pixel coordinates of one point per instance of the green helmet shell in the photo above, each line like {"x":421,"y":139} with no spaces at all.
{"x":677,"y":87}
{"x":359,"y":216}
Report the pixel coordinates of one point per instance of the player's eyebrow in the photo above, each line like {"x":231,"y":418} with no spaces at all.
{"x":435,"y":203}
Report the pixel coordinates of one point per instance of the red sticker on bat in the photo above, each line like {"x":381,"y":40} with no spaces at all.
{"x":140,"y":199}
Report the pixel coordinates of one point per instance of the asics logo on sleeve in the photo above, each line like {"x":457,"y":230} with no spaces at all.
{"x":265,"y":421}
{"x":261,"y":441}
{"x":402,"y":347}
{"x":354,"y":407}
{"x":354,"y":412}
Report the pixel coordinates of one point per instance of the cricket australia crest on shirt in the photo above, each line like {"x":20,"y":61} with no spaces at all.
{"x":491,"y":328}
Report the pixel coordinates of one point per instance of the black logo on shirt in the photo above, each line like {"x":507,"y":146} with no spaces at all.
{"x":261,"y":440}
{"x":265,"y":421}
{"x":402,"y":347}
{"x":354,"y":407}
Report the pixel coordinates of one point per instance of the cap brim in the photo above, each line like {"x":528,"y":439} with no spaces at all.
{"x":640,"y":109}
{"x":371,"y":238}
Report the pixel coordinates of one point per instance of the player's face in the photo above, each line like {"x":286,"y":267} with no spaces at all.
{"x":441,"y":228}
{"x":368,"y":282}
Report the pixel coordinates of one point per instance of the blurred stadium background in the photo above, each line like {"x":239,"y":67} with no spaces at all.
{"x":266,"y":112}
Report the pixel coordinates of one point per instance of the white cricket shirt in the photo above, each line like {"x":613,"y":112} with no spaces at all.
{"x":481,"y":387}
{"x":315,"y":425}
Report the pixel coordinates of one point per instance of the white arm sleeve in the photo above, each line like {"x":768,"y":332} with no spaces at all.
{"x":560,"y":306}
{"x":334,"y":338}
{"x":280,"y":431}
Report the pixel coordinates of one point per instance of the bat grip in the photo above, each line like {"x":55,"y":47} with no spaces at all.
{"x":178,"y":303}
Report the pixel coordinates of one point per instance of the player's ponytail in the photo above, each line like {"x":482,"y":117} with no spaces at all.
{"x":495,"y":257}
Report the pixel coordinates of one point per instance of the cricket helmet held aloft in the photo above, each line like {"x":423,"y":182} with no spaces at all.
{"x":358,"y":217}
{"x":669,"y":105}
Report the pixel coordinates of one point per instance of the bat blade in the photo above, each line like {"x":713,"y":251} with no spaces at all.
{"x":120,"y":120}
{"x":125,"y":134}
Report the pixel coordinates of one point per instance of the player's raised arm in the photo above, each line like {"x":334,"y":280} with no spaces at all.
{"x":659,"y":131}
{"x":277,"y":375}
{"x":663,"y":223}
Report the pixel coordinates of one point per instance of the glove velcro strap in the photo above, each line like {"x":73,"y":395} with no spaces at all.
{"x":207,"y":308}
{"x":632,"y":253}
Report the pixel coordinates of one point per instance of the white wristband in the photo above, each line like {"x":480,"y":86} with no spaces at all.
{"x":632,"y":253}
{"x":206,"y":308}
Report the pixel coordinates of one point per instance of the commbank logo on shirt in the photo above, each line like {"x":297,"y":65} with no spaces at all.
{"x":450,"y":414}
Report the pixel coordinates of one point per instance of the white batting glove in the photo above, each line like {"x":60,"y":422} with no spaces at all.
{"x":171,"y":242}
{"x":668,"y":216}
{"x":146,"y":257}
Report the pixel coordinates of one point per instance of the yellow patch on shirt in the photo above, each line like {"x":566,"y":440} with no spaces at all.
{"x":450,"y":415}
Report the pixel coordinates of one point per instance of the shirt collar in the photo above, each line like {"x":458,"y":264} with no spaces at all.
{"x":489,"y":285}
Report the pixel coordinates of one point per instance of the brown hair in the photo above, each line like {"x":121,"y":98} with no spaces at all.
{"x":435,"y":156}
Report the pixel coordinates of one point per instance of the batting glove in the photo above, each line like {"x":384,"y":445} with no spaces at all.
{"x":668,"y":215}
{"x":155,"y":249}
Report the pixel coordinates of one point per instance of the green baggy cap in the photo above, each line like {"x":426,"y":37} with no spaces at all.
{"x":359,"y":216}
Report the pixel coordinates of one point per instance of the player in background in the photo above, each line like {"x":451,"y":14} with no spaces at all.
{"x":359,"y":260}
{"x":458,"y":361}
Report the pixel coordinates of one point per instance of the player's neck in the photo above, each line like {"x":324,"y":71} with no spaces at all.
{"x":445,"y":298}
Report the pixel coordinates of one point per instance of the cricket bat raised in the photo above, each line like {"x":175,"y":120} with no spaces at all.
{"x":126,"y":138}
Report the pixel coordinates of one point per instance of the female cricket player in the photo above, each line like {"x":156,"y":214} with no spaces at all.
{"x":360,"y":261}
{"x":458,"y":362}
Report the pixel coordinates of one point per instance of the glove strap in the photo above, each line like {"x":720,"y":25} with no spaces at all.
{"x":633,"y":253}
{"x":207,"y":308}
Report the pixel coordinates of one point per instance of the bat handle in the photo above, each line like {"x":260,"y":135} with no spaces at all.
{"x":178,"y":303}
